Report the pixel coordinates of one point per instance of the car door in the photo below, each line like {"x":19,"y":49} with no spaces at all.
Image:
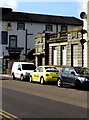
{"x":64,"y":75}
{"x":71,"y":76}
{"x":38,"y":73}
{"x":19,"y":71}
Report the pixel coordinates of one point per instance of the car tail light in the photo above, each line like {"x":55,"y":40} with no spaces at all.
{"x":47,"y":74}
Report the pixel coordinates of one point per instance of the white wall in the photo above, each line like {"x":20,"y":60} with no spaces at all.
{"x":32,"y":28}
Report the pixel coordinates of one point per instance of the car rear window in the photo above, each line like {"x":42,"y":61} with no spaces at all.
{"x":51,"y":69}
{"x":80,"y":70}
{"x":28,"y":67}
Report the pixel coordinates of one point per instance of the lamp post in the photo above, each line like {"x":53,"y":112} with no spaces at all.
{"x":26,"y":42}
{"x":83,"y":15}
{"x":82,"y":41}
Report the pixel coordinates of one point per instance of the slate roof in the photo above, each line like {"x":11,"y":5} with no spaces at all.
{"x":9,"y":15}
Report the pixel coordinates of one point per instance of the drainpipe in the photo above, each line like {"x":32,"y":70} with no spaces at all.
{"x":26,"y":42}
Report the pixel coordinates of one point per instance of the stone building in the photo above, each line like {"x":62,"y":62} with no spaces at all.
{"x":41,"y":49}
{"x":60,"y":49}
{"x":70,"y":47}
{"x":66,"y":49}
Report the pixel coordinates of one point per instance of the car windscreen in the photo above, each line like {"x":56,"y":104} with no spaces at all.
{"x":51,"y":69}
{"x":28,"y":67}
{"x":80,"y":70}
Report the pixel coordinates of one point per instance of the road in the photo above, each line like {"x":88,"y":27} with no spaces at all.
{"x":32,"y":100}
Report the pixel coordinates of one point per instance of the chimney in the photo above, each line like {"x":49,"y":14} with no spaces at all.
{"x":5,"y":10}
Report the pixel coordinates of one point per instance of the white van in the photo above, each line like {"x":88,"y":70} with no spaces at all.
{"x":21,"y":70}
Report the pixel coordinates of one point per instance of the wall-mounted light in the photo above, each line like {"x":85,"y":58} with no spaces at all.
{"x":83,"y":15}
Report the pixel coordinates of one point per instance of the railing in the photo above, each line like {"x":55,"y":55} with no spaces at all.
{"x":60,"y":35}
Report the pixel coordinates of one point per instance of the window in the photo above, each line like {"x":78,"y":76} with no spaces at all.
{"x":19,"y":67}
{"x":28,"y":67}
{"x":39,"y":69}
{"x":4,"y":37}
{"x":49,"y":27}
{"x":51,"y":69}
{"x":63,"y":28}
{"x":20,"y":26}
{"x":66,"y":70}
{"x":13,"y":41}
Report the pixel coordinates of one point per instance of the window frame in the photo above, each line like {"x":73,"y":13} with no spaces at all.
{"x":49,"y":27}
{"x":11,"y":46}
{"x":4,"y":37}
{"x":20,"y":28}
{"x":65,"y":28}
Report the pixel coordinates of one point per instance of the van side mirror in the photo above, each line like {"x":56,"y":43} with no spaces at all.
{"x":73,"y":73}
{"x":19,"y":69}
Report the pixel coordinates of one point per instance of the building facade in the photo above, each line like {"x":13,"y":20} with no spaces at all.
{"x":71,"y":47}
{"x":66,"y":49}
{"x":60,"y":49}
{"x":18,"y":31}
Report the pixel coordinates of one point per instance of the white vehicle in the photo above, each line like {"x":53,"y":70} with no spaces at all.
{"x":21,"y":70}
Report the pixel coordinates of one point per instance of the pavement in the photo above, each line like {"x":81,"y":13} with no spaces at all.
{"x":5,"y":76}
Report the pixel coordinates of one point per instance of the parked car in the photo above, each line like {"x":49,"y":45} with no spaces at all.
{"x":44,"y":74}
{"x":76,"y":76}
{"x":21,"y":70}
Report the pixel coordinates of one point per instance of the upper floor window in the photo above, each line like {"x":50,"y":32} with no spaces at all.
{"x":63,"y":28}
{"x":4,"y":37}
{"x":49,"y":27}
{"x":13,"y":41}
{"x":20,"y":26}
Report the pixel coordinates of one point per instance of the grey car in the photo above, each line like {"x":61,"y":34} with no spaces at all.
{"x":76,"y":76}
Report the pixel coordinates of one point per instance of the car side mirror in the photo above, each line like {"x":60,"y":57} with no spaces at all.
{"x":73,"y":73}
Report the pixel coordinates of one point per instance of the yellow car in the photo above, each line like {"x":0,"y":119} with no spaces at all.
{"x":44,"y":74}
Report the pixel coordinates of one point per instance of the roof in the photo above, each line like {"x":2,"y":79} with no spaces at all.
{"x":9,"y":15}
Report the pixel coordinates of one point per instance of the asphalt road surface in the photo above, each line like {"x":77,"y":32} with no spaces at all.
{"x":32,"y":100}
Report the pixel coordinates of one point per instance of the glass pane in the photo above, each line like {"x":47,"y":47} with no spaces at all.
{"x":13,"y":41}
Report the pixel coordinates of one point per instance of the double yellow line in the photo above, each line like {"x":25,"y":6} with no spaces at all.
{"x":7,"y":116}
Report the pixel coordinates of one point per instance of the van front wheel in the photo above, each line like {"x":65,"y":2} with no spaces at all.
{"x":13,"y":76}
{"x":22,"y":78}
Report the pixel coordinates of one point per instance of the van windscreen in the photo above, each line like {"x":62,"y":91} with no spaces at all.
{"x":28,"y":67}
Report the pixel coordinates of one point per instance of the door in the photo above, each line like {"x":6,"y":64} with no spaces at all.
{"x":71,"y":77}
{"x":37,"y":74}
{"x":54,"y":55}
{"x":65,"y":74}
{"x":74,"y":55}
{"x":18,"y":71}
{"x":39,"y":60}
{"x":63,"y":55}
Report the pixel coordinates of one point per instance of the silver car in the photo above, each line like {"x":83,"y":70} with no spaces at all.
{"x":76,"y":76}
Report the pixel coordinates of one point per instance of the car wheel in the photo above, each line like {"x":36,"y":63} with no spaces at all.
{"x":13,"y":76}
{"x":41,"y":80}
{"x":30,"y":79}
{"x":59,"y":83}
{"x":77,"y":84}
{"x":22,"y":78}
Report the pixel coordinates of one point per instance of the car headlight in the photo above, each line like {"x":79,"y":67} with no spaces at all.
{"x":82,"y":79}
{"x":86,"y":79}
